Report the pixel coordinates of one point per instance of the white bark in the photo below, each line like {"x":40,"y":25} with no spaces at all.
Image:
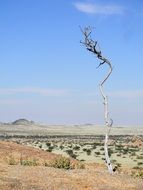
{"x":108,"y":121}
{"x":91,"y":46}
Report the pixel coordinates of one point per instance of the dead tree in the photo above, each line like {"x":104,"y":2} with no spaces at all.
{"x":91,"y":46}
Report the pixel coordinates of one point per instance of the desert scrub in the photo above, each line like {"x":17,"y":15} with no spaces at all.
{"x":11,"y":161}
{"x":88,"y":151}
{"x":50,"y":149}
{"x":140,"y":157}
{"x":71,"y":154}
{"x":140,"y":163}
{"x":138,"y":172}
{"x":28,"y":162}
{"x":61,"y":147}
{"x":61,"y":163}
{"x":76,"y":147}
{"x":65,"y":163}
{"x":48,"y":144}
{"x":79,"y":165}
{"x":97,"y":153}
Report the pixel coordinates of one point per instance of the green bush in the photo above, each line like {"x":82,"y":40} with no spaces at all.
{"x":76,"y":147}
{"x":139,"y":157}
{"x":88,"y":151}
{"x":61,"y":147}
{"x":71,"y":154}
{"x":140,"y":163}
{"x":110,"y":152}
{"x":48,"y":143}
{"x":97,"y":153}
{"x":50,"y":148}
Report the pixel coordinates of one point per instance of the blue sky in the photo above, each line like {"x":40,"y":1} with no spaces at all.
{"x":46,"y":75}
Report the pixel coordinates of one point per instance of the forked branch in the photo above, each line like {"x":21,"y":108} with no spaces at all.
{"x":91,"y":46}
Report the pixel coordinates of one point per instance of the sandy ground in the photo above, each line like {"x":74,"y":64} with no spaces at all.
{"x":93,"y":177}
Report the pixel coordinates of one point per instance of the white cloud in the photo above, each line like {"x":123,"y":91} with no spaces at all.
{"x":98,"y":9}
{"x":131,"y":94}
{"x":11,"y":102}
{"x":127,"y":94}
{"x":34,"y":90}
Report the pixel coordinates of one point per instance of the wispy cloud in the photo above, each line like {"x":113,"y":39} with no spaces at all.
{"x":93,"y":8}
{"x":130,"y":94}
{"x":127,"y":94}
{"x":34,"y":90}
{"x":11,"y":101}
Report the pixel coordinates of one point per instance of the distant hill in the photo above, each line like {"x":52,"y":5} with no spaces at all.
{"x":22,"y":122}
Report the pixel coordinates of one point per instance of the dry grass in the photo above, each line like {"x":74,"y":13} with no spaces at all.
{"x":39,"y":177}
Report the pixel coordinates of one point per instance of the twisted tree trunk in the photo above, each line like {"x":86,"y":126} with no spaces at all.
{"x":91,"y":46}
{"x":108,"y":121}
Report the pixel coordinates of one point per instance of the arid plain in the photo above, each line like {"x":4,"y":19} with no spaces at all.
{"x":38,"y":157}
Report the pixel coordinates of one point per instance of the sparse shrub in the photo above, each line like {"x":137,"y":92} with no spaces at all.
{"x":29,"y":162}
{"x":70,"y":145}
{"x":119,"y":147}
{"x":133,"y":154}
{"x":61,"y":147}
{"x":94,"y":146}
{"x":140,"y":163}
{"x":136,"y":167}
{"x":50,"y":149}
{"x":79,"y":165}
{"x":71,"y":154}
{"x":69,"y":151}
{"x":97,"y":144}
{"x":76,"y":147}
{"x":62,"y":163}
{"x":118,"y":165}
{"x":97,"y":153}
{"x":125,"y":150}
{"x":46,"y":164}
{"x":40,"y":146}
{"x":12,"y":161}
{"x":88,"y":151}
{"x":110,"y":152}
{"x":138,"y":172}
{"x":48,"y":144}
{"x":82,"y":160}
{"x":140,"y":157}
{"x":84,"y":149}
{"x":113,"y":161}
{"x":119,"y":154}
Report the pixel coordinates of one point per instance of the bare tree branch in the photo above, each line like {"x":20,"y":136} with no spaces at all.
{"x":91,"y":46}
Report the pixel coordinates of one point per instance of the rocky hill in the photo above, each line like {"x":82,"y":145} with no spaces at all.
{"x":22,"y":122}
